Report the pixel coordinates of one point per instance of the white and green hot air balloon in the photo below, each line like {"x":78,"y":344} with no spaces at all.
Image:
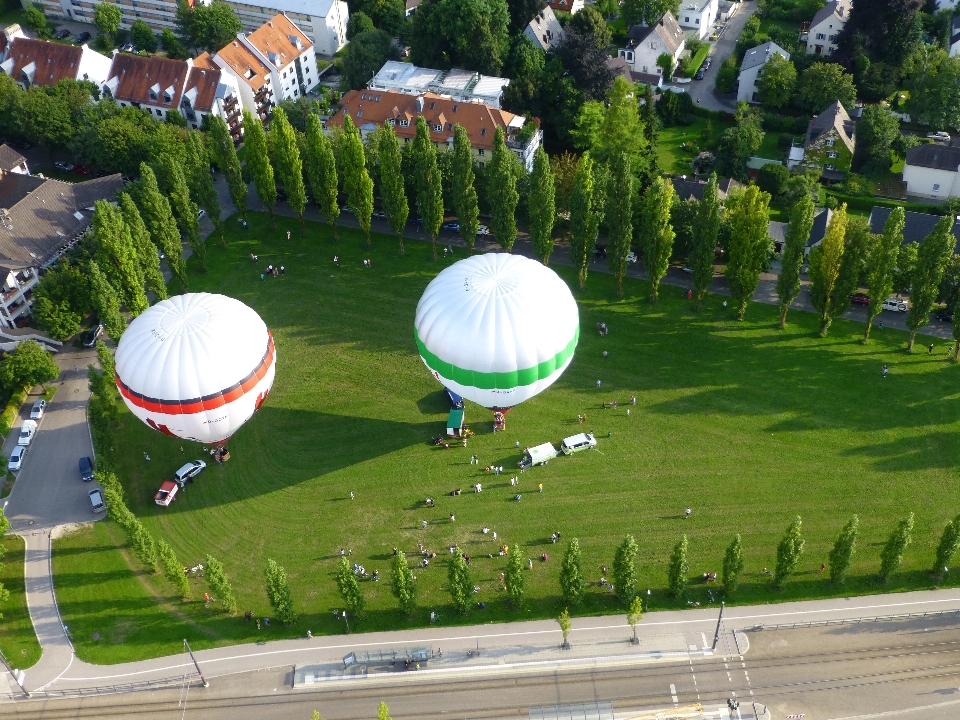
{"x":497,"y":329}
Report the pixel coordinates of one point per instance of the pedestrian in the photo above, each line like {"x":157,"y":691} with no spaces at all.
{"x":258,"y":619}
{"x":181,"y":449}
{"x":288,"y":234}
{"x":423,"y":523}
{"x":885,"y":371}
{"x":724,"y":303}
{"x":540,"y":487}
{"x":146,"y":457}
{"x":880,"y":325}
{"x":823,"y":566}
{"x":598,"y":383}
{"x":930,"y":352}
{"x":604,"y":353}
{"x":282,"y":269}
{"x":343,"y":553}
{"x":517,"y":443}
{"x":687,"y":514}
{"x":309,"y":634}
{"x":351,"y":494}
{"x":628,"y":411}
{"x":452,"y":518}
{"x":245,"y":227}
{"x":633,"y":400}
{"x":261,"y":276}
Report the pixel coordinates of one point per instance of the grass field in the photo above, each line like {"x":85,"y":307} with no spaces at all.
{"x":747,"y":425}
{"x":17,"y":639}
{"x":672,"y":158}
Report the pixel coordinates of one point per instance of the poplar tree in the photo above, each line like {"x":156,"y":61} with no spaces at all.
{"x":843,"y":549}
{"x":147,"y":255}
{"x":732,"y":566}
{"x":891,"y":556}
{"x":463,"y":190}
{"x":542,"y":206}
{"x":158,"y":217}
{"x":225,"y":157}
{"x":217,"y":578}
{"x":258,"y":162}
{"x":513,"y":577}
{"x":391,"y":182}
{"x":625,"y":570}
{"x":322,"y":172}
{"x":881,"y":264}
{"x":748,"y":220}
{"x":356,"y":179}
{"x":200,"y":180}
{"x":461,"y":584}
{"x":106,"y":301}
{"x":349,"y":586}
{"x":791,"y":258}
{"x":571,"y":575}
{"x":826,"y":260}
{"x":383,"y":712}
{"x":278,"y":592}
{"x":948,"y":547}
{"x":705,"y":234}
{"x":584,"y":221}
{"x":648,"y":115}
{"x":503,"y":193}
{"x":656,"y":232}
{"x":117,"y":257}
{"x":679,"y":569}
{"x":429,"y":187}
{"x":172,"y":568}
{"x":404,"y":587}
{"x":789,"y":552}
{"x":619,"y":213}
{"x":635,"y":615}
{"x":286,"y":154}
{"x":184,"y":209}
{"x":932,"y":258}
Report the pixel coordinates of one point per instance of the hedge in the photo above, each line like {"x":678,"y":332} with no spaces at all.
{"x":12,"y":410}
{"x":866,"y":204}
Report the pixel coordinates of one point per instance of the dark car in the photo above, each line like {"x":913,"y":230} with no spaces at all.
{"x":416,"y":221}
{"x":945,"y":316}
{"x":86,"y":469}
{"x":860,"y":299}
{"x":81,"y":38}
{"x":452,"y":226}
{"x":93,"y":336}
{"x":699,"y":75}
{"x":63,"y":34}
{"x":600,"y":252}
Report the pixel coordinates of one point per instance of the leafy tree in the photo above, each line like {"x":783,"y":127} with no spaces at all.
{"x":789,"y":552}
{"x":956,"y":337}
{"x":625,"y":570}
{"x":220,"y":584}
{"x":906,"y":264}
{"x":572,"y":582}
{"x":773,"y":177}
{"x":461,"y":583}
{"x":931,"y":77}
{"x":472,"y":34}
{"x":822,"y":84}
{"x":403,"y":585}
{"x":172,"y":45}
{"x":34,"y":19}
{"x":383,"y":712}
{"x":732,"y":566}
{"x":429,"y":187}
{"x":679,"y":569}
{"x":634,"y":12}
{"x":619,"y":213}
{"x":613,"y":126}
{"x":582,"y":52}
{"x":503,"y":192}
{"x":107,"y":18}
{"x":322,"y":172}
{"x":359,"y":22}
{"x":388,"y":15}
{"x":171,"y":176}
{"x":142,"y":36}
{"x":858,"y":245}
{"x":258,"y":162}
{"x":289,"y":165}
{"x":843,"y":550}
{"x":877,"y":130}
{"x":117,"y":256}
{"x":706,"y":232}
{"x":521,"y":13}
{"x":146,"y":251}
{"x":27,"y":365}
{"x":739,"y":143}
{"x":665,"y":63}
{"x":791,"y":258}
{"x":366,"y":53}
{"x":932,"y":258}
{"x":172,"y":568}
{"x":158,"y":217}
{"x":4,"y":526}
{"x":879,"y":32}
{"x":564,"y":622}
{"x":278,"y":591}
{"x":463,"y":192}
{"x":208,"y":26}
{"x":946,"y":550}
{"x":584,"y":221}
{"x":747,"y":214}
{"x":635,"y":615}
{"x":43,"y":118}
{"x":656,"y":234}
{"x":56,"y":319}
{"x":727,"y":75}
{"x":200,"y":181}
{"x":542,"y":206}
{"x":513,"y":577}
{"x":391,"y":182}
{"x":891,"y":556}
{"x":776,"y":85}
{"x":106,"y":300}
{"x":825,"y":263}
{"x":881,"y":264}
{"x":349,"y":587}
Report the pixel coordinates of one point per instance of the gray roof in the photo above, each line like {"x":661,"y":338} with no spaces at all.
{"x":819,"y":229}
{"x":826,"y":11}
{"x":620,"y":67}
{"x":932,"y":155}
{"x":777,"y":231}
{"x":544,"y":29}
{"x":9,"y":158}
{"x":666,"y":28}
{"x":760,"y":54}
{"x":916,"y":226}
{"x":45,"y":215}
{"x":833,"y":117}
{"x":686,"y":189}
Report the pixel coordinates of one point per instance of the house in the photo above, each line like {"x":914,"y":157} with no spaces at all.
{"x":411,"y":7}
{"x":461,"y":85}
{"x":567,"y":6}
{"x":253,"y":76}
{"x":41,"y":62}
{"x":825,"y":26}
{"x":9,"y":34}
{"x":369,"y":109}
{"x":916,"y":225}
{"x":754,"y":165}
{"x":646,"y":43}
{"x":751,"y":69}
{"x":39,"y":220}
{"x":324,"y":22}
{"x":699,"y":15}
{"x":620,"y":69}
{"x":955,"y":37}
{"x":209,"y":90}
{"x":693,"y":189}
{"x":932,"y":170}
{"x":544,"y":30}
{"x":726,"y":9}
{"x":829,"y":144}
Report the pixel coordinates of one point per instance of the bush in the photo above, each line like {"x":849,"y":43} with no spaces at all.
{"x":772,"y":178}
{"x":12,"y":410}
{"x":727,"y":75}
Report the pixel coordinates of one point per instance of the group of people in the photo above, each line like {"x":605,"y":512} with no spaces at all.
{"x":271,"y":270}
{"x":602,"y":329}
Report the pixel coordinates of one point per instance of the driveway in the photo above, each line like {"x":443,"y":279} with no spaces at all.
{"x":704,"y":92}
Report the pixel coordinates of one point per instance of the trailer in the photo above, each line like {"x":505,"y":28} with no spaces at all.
{"x":541,"y":454}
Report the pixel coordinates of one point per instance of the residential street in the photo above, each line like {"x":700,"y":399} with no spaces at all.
{"x":704,"y":91}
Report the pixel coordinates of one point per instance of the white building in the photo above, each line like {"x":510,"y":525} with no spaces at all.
{"x":324,"y":22}
{"x":955,"y":37}
{"x":752,"y":67}
{"x":460,"y":85}
{"x":699,"y":15}
{"x":567,"y":6}
{"x":544,"y":30}
{"x":646,"y":43}
{"x":932,"y":171}
{"x":826,"y":25}
{"x":41,"y":62}
{"x":158,"y":14}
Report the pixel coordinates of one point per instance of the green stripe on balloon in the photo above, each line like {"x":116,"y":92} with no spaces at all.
{"x":498,"y":380}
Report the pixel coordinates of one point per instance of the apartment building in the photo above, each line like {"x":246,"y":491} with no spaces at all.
{"x":41,"y":62}
{"x":158,"y":14}
{"x":324,"y":22}
{"x":461,"y":85}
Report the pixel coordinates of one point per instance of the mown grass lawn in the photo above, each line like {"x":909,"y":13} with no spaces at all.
{"x":747,"y":425}
{"x":672,"y":158}
{"x":17,"y":639}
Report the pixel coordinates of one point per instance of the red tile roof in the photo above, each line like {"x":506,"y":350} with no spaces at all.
{"x":136,"y":75}
{"x":276,"y":40}
{"x":204,"y":78}
{"x":54,"y":61}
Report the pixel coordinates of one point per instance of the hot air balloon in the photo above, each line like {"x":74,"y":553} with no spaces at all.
{"x":497,"y":329}
{"x":196,"y":366}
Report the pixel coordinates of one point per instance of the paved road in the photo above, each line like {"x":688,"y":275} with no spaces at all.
{"x":704,"y":91}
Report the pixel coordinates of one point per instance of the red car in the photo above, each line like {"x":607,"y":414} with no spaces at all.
{"x":860,"y":299}
{"x":81,"y":170}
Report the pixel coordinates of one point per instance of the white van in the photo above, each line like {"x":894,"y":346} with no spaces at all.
{"x":27,"y":431}
{"x":576,"y":443}
{"x":894,"y":305}
{"x":541,"y":454}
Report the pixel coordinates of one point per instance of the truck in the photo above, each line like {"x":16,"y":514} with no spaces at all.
{"x":541,"y":454}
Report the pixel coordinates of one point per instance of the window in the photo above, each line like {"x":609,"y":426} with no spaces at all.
{"x":829,"y":167}
{"x":480,"y":151}
{"x":160,"y":113}
{"x":481,"y":164}
{"x":404,"y":123}
{"x":362,"y":96}
{"x":936,"y":187}
{"x":391,"y":122}
{"x":831,"y":142}
{"x":832,"y":38}
{"x":432,"y":105}
{"x":833,"y":154}
{"x":483,"y":131}
{"x":821,"y":36}
{"x":686,"y":19}
{"x":437,"y":128}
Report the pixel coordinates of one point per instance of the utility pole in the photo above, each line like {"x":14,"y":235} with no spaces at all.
{"x":716,"y":635}
{"x":202,"y":678}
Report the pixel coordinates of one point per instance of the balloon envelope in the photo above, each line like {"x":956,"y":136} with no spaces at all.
{"x":497,"y":328}
{"x":196,"y":366}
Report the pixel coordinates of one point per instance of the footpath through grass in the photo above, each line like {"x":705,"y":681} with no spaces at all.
{"x":746,"y":424}
{"x":17,"y":639}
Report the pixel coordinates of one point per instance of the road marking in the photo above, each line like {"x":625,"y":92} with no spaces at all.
{"x":888,"y":713}
{"x":704,"y":636}
{"x":673,"y":694}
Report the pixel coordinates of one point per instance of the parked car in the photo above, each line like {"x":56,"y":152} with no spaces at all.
{"x":415,"y":221}
{"x":96,"y":501}
{"x":347,"y":209}
{"x":482,"y":230}
{"x":94,"y":334}
{"x":894,"y":305}
{"x":27,"y":431}
{"x":600,"y":252}
{"x":860,"y":298}
{"x":16,"y":458}
{"x":945,"y":316}
{"x":681,"y":81}
{"x":81,"y":170}
{"x":687,"y":269}
{"x":63,"y":34}
{"x":699,"y":75}
{"x":189,"y":471}
{"x":128,"y":48}
{"x":707,"y":63}
{"x":86,"y":469}
{"x":631,"y":257}
{"x":939,"y":135}
{"x":39,"y":407}
{"x":166,"y":494}
{"x":379,"y":214}
{"x":452,"y":226}
{"x":81,"y":38}
{"x":63,"y":166}
{"x":201,"y":213}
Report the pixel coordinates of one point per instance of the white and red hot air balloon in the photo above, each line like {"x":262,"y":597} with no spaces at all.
{"x":196,"y":366}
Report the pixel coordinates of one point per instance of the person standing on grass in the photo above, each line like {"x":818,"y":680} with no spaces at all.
{"x":931,"y":349}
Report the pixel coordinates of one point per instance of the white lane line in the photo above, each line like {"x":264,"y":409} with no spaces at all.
{"x":673,"y":694}
{"x":704,"y":636}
